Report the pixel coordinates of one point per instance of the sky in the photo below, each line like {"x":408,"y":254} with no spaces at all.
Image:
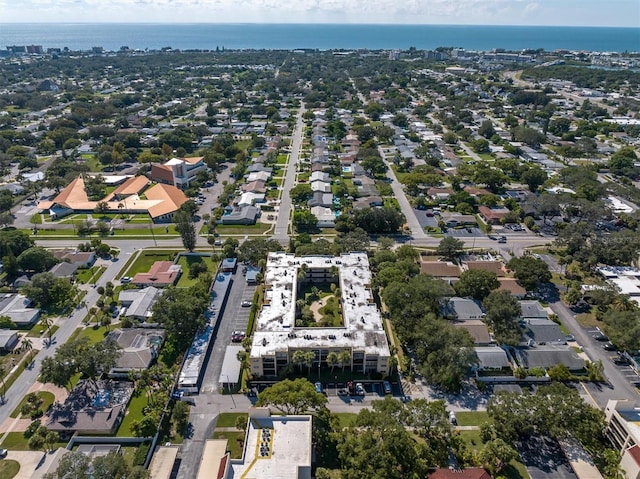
{"x":606,"y":13}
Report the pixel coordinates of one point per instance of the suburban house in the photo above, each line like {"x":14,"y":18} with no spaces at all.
{"x":321,"y":199}
{"x":64,"y":270}
{"x":161,"y":274}
{"x":178,"y":172}
{"x":81,"y":259}
{"x":138,"y":302}
{"x":511,"y":285}
{"x":477,"y":329}
{"x":8,"y":339}
{"x":249,"y":199}
{"x":543,"y":331}
{"x":491,"y":358}
{"x":367,"y":202}
{"x":461,"y":309}
{"x":441,"y":269}
{"x":326,"y":217}
{"x":241,"y":215}
{"x":546,"y":356}
{"x":492,"y":216}
{"x":92,"y":407}
{"x":140,"y":346}
{"x":453,"y":219}
{"x":17,"y":308}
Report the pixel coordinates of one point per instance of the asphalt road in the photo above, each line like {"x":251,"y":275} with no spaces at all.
{"x":281,"y":230}
{"x":67,"y":325}
{"x":618,"y":386}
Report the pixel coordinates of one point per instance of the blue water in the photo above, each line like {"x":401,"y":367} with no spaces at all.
{"x":318,"y":36}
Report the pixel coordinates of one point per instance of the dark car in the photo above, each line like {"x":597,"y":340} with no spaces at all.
{"x":237,"y":336}
{"x":620,"y":360}
{"x":609,"y":347}
{"x":600,"y":337}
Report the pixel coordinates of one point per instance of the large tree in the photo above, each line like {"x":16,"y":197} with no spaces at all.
{"x":476,"y":283}
{"x":48,"y":291}
{"x":187,"y":230}
{"x":503,"y":312}
{"x":529,"y":271}
{"x":450,"y":247}
{"x":180,"y":312}
{"x":257,"y":249}
{"x":293,"y":397}
{"x":36,"y":259}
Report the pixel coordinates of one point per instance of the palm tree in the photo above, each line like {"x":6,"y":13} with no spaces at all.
{"x":344,"y":358}
{"x":298,"y":358}
{"x":622,"y":303}
{"x":309,"y":356}
{"x":46,"y":323}
{"x":333,"y":360}
{"x":26,"y":346}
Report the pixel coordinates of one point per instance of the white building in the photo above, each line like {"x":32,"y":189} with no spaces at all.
{"x":277,"y":337}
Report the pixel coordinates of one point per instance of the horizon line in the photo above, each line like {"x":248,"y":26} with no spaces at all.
{"x":322,"y":23}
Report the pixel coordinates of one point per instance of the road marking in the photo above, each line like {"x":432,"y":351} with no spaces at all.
{"x":590,"y":396}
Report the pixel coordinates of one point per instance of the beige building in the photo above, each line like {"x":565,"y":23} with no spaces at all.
{"x":623,"y":430}
{"x":277,"y":337}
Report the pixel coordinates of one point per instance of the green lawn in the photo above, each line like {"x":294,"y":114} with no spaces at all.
{"x":9,"y":468}
{"x":134,"y":413}
{"x":472,"y":418}
{"x":186,"y":261}
{"x":90,"y":275}
{"x":228,"y":419}
{"x":256,"y":229}
{"x":345,"y":419}
{"x":15,"y":441}
{"x":234,"y":445}
{"x":146,"y":258}
{"x":47,"y":401}
{"x":95,"y":335}
{"x":515,"y":470}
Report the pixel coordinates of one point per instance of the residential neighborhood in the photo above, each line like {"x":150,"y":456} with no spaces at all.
{"x":319,"y":264}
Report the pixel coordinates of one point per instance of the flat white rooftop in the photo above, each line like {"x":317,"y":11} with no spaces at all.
{"x":287,"y":446}
{"x":276,"y":330}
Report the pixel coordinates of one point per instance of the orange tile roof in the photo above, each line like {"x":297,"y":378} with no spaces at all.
{"x":160,"y":273}
{"x":73,"y":193}
{"x":171,"y":198}
{"x":132,"y":186}
{"x":193,"y":160}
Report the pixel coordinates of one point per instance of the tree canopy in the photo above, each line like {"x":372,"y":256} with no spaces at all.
{"x":292,"y":397}
{"x":476,"y":283}
{"x":529,"y":271}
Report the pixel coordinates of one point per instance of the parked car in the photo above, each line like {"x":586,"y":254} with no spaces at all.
{"x":246,"y":304}
{"x":386,"y":387}
{"x":3,"y":453}
{"x":609,"y":347}
{"x":237,"y":336}
{"x":126,"y":279}
{"x":620,"y":360}
{"x":319,"y":388}
{"x":351,"y":388}
{"x":360,"y":389}
{"x":600,"y":337}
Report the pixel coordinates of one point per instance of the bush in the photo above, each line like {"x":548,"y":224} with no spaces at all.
{"x":141,"y":454}
{"x":32,"y":429}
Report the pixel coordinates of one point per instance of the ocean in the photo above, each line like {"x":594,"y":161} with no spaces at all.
{"x":317,"y":36}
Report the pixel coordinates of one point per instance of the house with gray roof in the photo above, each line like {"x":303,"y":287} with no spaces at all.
{"x":8,"y":339}
{"x":491,"y":358}
{"x":64,"y":270}
{"x":461,"y":309}
{"x":241,"y":215}
{"x":139,"y":347}
{"x":138,"y":302}
{"x":321,"y":199}
{"x":17,"y":308}
{"x":548,"y":356}
{"x":532,"y":309}
{"x":543,"y":331}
